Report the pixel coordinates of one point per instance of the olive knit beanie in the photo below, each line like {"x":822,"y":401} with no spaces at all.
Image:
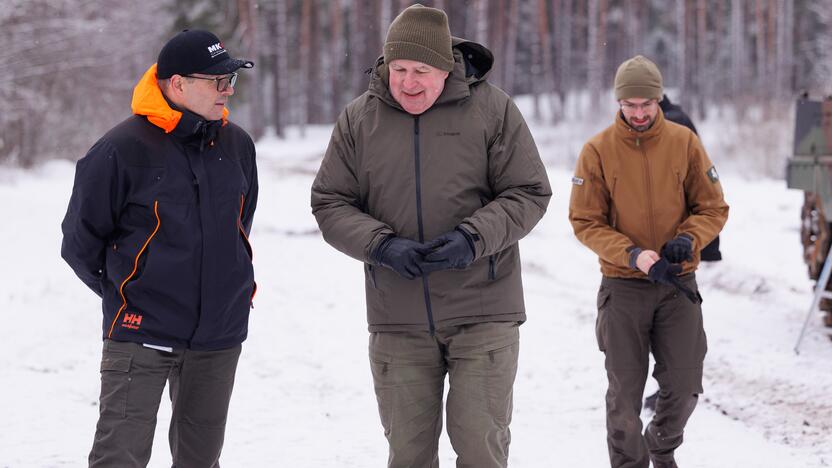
{"x":420,"y":33}
{"x":638,"y":77}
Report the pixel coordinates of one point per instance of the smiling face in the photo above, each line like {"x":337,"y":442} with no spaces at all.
{"x":639,"y":113}
{"x":415,"y":85}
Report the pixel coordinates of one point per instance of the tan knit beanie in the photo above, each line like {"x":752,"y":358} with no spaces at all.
{"x":420,"y":33}
{"x":638,"y":78}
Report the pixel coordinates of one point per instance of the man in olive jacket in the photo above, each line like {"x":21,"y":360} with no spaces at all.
{"x":431,"y":178}
{"x":646,"y":198}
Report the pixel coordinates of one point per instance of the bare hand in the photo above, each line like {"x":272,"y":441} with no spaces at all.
{"x":646,"y":259}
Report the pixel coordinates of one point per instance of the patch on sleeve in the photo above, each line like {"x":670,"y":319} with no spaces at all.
{"x":577,"y":181}
{"x":713,"y":175}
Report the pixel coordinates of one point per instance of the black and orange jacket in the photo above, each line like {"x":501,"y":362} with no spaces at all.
{"x":158,"y":226}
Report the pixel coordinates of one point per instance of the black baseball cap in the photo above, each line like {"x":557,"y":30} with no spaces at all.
{"x":196,"y":51}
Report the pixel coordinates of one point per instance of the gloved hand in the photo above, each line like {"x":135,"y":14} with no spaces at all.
{"x":452,"y":250}
{"x":400,"y":255}
{"x":678,"y":249}
{"x":664,"y":272}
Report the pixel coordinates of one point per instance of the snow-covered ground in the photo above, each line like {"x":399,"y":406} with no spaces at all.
{"x":304,"y":394}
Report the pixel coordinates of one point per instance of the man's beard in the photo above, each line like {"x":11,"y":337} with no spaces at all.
{"x":642,"y":127}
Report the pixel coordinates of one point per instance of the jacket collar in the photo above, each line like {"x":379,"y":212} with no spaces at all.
{"x":149,"y":101}
{"x":625,"y":131}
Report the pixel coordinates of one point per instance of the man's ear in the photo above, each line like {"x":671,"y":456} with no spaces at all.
{"x":176,"y":84}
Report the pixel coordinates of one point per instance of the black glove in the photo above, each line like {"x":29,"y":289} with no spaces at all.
{"x":452,"y":250}
{"x":678,"y":250}
{"x":664,"y":272}
{"x":400,"y":255}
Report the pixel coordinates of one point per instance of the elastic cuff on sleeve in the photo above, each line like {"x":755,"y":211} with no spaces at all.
{"x":473,"y":238}
{"x":634,"y":253}
{"x":469,"y":238}
{"x":375,"y":256}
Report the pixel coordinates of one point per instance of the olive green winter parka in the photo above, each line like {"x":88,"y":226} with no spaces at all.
{"x":468,"y":161}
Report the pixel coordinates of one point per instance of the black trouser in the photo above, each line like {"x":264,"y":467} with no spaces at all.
{"x":133,"y":378}
{"x":636,"y":317}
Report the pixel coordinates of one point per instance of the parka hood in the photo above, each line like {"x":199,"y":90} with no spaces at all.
{"x":149,"y":101}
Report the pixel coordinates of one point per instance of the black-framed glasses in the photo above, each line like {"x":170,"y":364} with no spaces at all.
{"x":223,"y":82}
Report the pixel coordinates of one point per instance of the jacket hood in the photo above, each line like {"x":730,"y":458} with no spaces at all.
{"x":472,"y":62}
{"x":149,"y":101}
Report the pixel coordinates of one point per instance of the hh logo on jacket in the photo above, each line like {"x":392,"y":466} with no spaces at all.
{"x":132,"y":321}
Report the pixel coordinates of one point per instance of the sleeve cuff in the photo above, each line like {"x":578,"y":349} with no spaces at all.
{"x":634,"y":253}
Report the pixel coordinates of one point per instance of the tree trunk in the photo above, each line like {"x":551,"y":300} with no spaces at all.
{"x":593,"y":56}
{"x":760,"y":47}
{"x":544,"y":62}
{"x":703,"y":67}
{"x":738,"y":80}
{"x":337,"y":49}
{"x":681,"y":53}
{"x":251,"y":41}
{"x":510,"y":62}
{"x":280,"y":69}
{"x":565,"y":70}
{"x":305,"y":63}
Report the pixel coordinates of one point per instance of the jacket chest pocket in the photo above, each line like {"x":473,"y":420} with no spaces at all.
{"x":613,"y":214}
{"x":680,"y":189}
{"x":227,"y":179}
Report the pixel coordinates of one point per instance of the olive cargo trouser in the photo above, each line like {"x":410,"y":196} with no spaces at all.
{"x":636,"y":317}
{"x":133,"y":379}
{"x":409,"y":373}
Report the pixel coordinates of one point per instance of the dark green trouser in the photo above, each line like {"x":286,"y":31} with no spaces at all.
{"x":132,"y":381}
{"x":636,"y":317}
{"x":409,"y":373}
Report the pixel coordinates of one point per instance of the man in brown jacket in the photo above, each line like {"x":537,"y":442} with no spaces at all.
{"x":430,"y":179}
{"x":646,"y":199}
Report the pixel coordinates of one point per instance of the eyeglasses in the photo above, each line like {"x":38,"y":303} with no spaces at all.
{"x":630,"y":107}
{"x":223,"y":82}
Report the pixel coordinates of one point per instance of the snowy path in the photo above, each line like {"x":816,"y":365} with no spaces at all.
{"x":304,"y":394}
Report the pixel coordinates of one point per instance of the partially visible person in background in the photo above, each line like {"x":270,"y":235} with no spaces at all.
{"x":157,"y":226}
{"x":674,"y":113}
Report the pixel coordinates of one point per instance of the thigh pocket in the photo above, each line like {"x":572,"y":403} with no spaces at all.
{"x":499,"y":382}
{"x":601,"y":321}
{"x":383,"y":389}
{"x":115,"y":383}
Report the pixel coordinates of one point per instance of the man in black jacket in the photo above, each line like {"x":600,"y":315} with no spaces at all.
{"x":158,"y":226}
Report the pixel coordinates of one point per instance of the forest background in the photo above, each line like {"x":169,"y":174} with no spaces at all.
{"x":70,"y":65}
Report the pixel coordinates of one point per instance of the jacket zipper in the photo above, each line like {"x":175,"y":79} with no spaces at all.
{"x":649,"y":185}
{"x":135,"y":267}
{"x":492,"y":269}
{"x":248,"y":247}
{"x":425,"y":285}
{"x":613,"y":214}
